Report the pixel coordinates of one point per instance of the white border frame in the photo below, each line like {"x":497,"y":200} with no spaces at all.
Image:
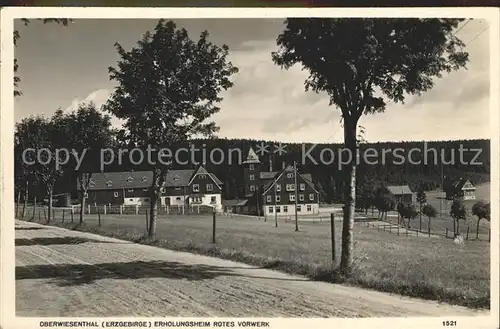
{"x":8,"y":14}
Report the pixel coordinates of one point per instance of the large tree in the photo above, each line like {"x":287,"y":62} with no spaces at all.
{"x":362,"y":64}
{"x":89,"y":131}
{"x":168,"y":87}
{"x":482,"y":210}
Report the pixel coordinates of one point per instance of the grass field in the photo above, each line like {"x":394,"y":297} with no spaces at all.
{"x":429,"y":268}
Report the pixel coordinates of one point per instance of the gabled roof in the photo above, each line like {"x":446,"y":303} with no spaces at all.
{"x":252,"y":157}
{"x":460,"y":183}
{"x":177,"y":178}
{"x":235,"y":202}
{"x":202,"y":171}
{"x":289,"y":169}
{"x":399,"y":189}
{"x":120,"y":180}
{"x":268,"y":174}
{"x":143,"y":179}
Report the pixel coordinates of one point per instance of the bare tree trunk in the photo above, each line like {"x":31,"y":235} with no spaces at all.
{"x":158,"y":179}
{"x":477,"y":228}
{"x":51,"y":191}
{"x":17,"y":203}
{"x":82,"y":207}
{"x":34,"y":210}
{"x":25,"y":199}
{"x":346,"y":259}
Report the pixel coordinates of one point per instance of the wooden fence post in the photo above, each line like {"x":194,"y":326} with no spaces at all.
{"x":72,"y":213}
{"x":99,"y":215}
{"x":429,"y":231}
{"x":467,"y":234}
{"x":447,"y":233}
{"x":398,"y":230}
{"x":332,"y":224}
{"x":213,"y":226}
{"x":147,"y":222}
{"x":104,"y":210}
{"x":44,"y":213}
{"x":88,"y":209}
{"x":63,"y":215}
{"x":136,"y":209}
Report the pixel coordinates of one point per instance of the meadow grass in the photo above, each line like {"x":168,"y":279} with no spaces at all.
{"x":430,"y":268}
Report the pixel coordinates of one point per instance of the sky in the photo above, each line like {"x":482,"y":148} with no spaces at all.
{"x":63,"y":66}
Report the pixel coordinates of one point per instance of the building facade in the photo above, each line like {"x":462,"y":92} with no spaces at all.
{"x":181,"y":187}
{"x":272,"y":192}
{"x":403,"y":194}
{"x":462,"y":189}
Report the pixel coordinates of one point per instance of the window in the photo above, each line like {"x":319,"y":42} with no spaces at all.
{"x":92,"y":183}
{"x":278,"y":187}
{"x":210,"y":187}
{"x":290,"y":187}
{"x":270,"y":210}
{"x":278,"y":198}
{"x":299,"y":208}
{"x":309,"y":208}
{"x":289,"y":175}
{"x":146,"y":199}
{"x":251,"y":167}
{"x":176,"y":178}
{"x":144,"y":179}
{"x":130,"y":199}
{"x":178,"y":198}
{"x":301,"y":197}
{"x":302,"y":186}
{"x":252,"y":177}
{"x":213,"y":199}
{"x":163,"y":190}
{"x":145,"y":189}
{"x":203,"y":176}
{"x":292,"y":197}
{"x":130,"y":190}
{"x":85,"y":195}
{"x":311,"y":196}
{"x":268,"y":198}
{"x":115,"y":194}
{"x":252,"y":188}
{"x":278,"y":209}
{"x":196,"y":187}
{"x":178,"y":188}
{"x":109,"y":183}
{"x":285,"y":208}
{"x":129,"y":179}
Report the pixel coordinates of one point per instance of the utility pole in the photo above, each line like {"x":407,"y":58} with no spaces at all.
{"x":295,"y":178}
{"x":275,"y":207}
{"x":443,"y":194}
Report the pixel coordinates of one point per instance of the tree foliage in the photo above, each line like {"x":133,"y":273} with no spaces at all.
{"x":482,"y":210}
{"x":168,"y":88}
{"x":362,"y":64}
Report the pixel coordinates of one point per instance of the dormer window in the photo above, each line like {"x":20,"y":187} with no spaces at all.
{"x":109,"y":183}
{"x":251,"y":167}
{"x":129,"y":179}
{"x":92,"y":183}
{"x":176,"y":178}
{"x":144,"y":179}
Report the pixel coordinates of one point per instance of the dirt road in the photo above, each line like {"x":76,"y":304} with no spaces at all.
{"x":67,"y":273}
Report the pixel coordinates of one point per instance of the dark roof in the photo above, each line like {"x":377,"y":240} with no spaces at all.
{"x":179,"y":177}
{"x":306,"y":177}
{"x":235,"y":202}
{"x":119,"y":180}
{"x":459,"y":184}
{"x":142,"y":179}
{"x":399,"y":190}
{"x":268,"y":174}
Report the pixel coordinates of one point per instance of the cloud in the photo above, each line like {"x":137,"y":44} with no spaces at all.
{"x":269,"y":103}
{"x":99,"y":97}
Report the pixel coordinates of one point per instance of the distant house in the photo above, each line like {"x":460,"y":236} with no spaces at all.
{"x":181,"y":187}
{"x":234,"y":206}
{"x":461,"y":189}
{"x":403,"y":193}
